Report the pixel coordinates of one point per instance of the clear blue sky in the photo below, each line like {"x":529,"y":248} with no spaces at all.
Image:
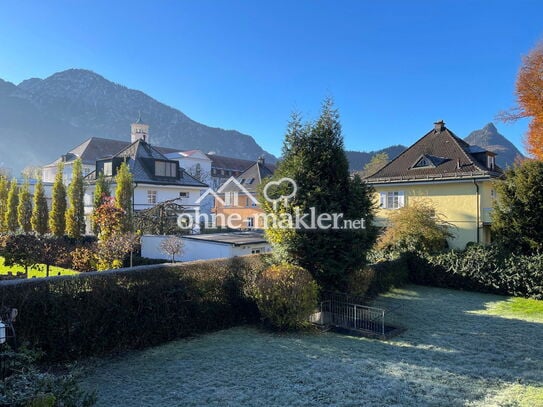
{"x":393,"y":67}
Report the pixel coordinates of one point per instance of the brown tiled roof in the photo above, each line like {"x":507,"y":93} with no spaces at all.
{"x":446,"y":155}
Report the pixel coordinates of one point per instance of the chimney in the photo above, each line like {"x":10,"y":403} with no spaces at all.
{"x":261,"y":160}
{"x":439,"y":126}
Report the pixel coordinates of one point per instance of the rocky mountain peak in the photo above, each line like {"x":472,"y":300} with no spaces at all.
{"x":489,"y":137}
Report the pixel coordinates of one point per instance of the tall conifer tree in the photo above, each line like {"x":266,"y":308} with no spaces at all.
{"x":40,"y":212}
{"x":57,"y":216}
{"x":75,"y":215}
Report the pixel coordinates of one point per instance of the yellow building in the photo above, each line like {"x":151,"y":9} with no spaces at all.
{"x":455,"y":177}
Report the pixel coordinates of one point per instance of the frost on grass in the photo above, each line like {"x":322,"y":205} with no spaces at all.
{"x":449,"y":356}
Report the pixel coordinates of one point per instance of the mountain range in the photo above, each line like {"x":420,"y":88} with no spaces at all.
{"x":41,"y":119}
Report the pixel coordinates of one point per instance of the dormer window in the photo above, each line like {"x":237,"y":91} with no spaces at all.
{"x":425,"y":161}
{"x":165,"y":168}
{"x":490,"y":162}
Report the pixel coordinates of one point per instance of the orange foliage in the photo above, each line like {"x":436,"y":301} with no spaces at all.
{"x":529,"y":89}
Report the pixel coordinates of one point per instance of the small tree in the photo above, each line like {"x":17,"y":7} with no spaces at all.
{"x":10,"y":217}
{"x":75,"y":215}
{"x":517,"y":223}
{"x":172,"y":246}
{"x":22,"y":250}
{"x":40,"y":212}
{"x":108,"y":217}
{"x":57,"y":216}
{"x":123,"y":195}
{"x":112,"y":251}
{"x":417,"y":227}
{"x":24,"y":208}
{"x":53,"y":251}
{"x":377,"y":162}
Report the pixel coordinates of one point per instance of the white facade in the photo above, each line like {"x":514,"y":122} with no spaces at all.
{"x":148,"y":195}
{"x":196,"y":249}
{"x":50,"y":171}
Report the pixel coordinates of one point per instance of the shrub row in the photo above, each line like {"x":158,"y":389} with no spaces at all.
{"x":379,"y":277}
{"x":482,"y":269}
{"x":94,"y":313}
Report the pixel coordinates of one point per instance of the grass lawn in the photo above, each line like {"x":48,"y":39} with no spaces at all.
{"x":460,"y":349}
{"x":38,"y":272}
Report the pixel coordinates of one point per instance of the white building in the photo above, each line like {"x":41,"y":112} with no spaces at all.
{"x":208,"y":246}
{"x":156,"y":177}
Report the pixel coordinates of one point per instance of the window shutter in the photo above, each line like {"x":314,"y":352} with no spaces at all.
{"x":383,"y":200}
{"x":401,"y":200}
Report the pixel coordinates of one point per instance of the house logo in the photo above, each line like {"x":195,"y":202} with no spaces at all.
{"x":230,"y":184}
{"x":283,"y":215}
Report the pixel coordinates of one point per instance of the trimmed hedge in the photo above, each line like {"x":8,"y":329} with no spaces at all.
{"x":95,"y":313}
{"x":379,"y":277}
{"x":480,"y":268}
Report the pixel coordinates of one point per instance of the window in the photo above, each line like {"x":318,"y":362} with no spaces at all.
{"x":151,"y":197}
{"x":250,"y":222}
{"x":108,"y":169}
{"x":490,"y":162}
{"x":165,"y":169}
{"x":255,"y":251}
{"x":392,"y":200}
{"x":183,"y":194}
{"x":198,"y":170}
{"x":493,"y":194}
{"x":231,"y":199}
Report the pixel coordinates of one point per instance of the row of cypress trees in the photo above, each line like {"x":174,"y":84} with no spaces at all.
{"x":20,"y":211}
{"x":23,"y":212}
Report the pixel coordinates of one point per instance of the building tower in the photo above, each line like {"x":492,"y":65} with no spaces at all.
{"x":139,"y":131}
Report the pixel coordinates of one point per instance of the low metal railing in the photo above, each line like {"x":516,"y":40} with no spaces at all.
{"x":347,"y":315}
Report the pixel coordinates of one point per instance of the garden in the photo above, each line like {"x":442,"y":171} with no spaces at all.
{"x":460,"y":348}
{"x":237,"y":332}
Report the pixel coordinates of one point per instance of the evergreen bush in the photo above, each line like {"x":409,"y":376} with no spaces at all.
{"x":285,"y":295}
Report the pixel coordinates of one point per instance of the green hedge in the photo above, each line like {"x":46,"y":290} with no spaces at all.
{"x":94,"y":313}
{"x":480,"y":268}
{"x":379,"y":277}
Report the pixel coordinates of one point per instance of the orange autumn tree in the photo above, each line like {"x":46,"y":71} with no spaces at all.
{"x":529,"y":91}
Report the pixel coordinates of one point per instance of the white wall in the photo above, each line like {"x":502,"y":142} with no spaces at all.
{"x":198,"y":249}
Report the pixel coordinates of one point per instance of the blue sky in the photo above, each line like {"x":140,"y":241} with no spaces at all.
{"x":393,"y":67}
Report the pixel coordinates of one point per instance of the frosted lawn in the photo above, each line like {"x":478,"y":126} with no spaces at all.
{"x":458,"y":351}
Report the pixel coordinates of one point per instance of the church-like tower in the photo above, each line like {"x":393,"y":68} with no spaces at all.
{"x":139,"y":130}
